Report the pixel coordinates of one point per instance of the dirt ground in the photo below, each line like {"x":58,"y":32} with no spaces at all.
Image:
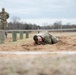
{"x":67,"y":42}
{"x":49,"y":64}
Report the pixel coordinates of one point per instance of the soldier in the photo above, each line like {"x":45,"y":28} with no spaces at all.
{"x":3,"y":17}
{"x":45,"y":38}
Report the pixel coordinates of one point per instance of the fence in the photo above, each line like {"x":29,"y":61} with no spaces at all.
{"x":21,"y":32}
{"x":14,"y":35}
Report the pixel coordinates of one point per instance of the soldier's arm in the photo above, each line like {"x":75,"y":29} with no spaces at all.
{"x":0,"y":15}
{"x":7,"y":15}
{"x":47,"y":39}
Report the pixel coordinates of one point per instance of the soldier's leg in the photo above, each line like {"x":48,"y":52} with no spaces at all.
{"x":5,"y":28}
{"x":5,"y":32}
{"x":1,"y":25}
{"x":53,"y":39}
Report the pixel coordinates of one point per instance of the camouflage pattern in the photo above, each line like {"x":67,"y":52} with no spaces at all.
{"x":48,"y":38}
{"x":3,"y":20}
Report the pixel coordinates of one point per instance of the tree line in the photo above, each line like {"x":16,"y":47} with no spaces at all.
{"x":16,"y":24}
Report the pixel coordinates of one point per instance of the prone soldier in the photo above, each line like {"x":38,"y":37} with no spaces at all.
{"x":45,"y":38}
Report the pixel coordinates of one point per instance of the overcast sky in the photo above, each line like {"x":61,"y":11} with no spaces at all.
{"x":41,"y":11}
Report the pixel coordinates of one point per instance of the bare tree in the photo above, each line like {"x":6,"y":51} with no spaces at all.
{"x":15,"y":19}
{"x":58,"y":25}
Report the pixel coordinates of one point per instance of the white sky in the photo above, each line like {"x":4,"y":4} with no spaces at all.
{"x":41,"y":11}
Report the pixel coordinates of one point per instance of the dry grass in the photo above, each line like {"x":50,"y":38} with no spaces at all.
{"x":49,"y":64}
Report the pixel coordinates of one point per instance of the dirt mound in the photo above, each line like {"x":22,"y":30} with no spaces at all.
{"x":67,"y":43}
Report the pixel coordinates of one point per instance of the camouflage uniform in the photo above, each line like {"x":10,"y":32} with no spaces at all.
{"x":3,"y":20}
{"x":48,"y":38}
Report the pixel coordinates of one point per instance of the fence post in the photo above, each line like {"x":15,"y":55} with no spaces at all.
{"x":27,"y":34}
{"x":2,"y":38}
{"x":21,"y":35}
{"x":14,"y":36}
